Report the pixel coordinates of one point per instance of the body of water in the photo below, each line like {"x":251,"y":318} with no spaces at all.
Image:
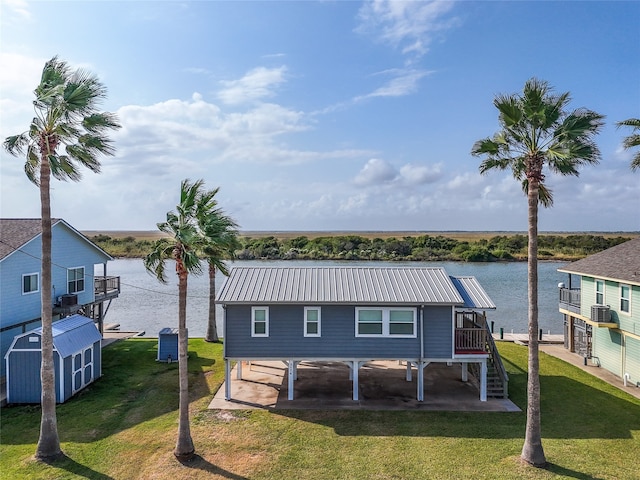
{"x":147,"y":305}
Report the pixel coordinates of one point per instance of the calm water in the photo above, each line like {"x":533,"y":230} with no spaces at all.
{"x":146,"y":304}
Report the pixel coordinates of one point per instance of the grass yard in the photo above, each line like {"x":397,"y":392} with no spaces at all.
{"x":124,"y":427}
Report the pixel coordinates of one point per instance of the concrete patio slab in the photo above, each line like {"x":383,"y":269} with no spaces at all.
{"x":326,"y":386}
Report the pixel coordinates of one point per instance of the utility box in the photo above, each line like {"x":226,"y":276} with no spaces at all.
{"x":168,"y":345}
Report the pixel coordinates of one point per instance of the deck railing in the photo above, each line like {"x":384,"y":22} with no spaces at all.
{"x":570,"y":296}
{"x":471,"y":339}
{"x":106,"y":286}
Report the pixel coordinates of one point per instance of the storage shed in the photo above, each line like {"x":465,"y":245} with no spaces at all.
{"x":77,"y":357}
{"x":168,"y":345}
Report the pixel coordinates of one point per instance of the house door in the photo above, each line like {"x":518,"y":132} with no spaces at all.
{"x":82,"y":369}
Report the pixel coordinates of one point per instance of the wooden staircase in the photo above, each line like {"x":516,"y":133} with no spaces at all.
{"x":497,"y":378}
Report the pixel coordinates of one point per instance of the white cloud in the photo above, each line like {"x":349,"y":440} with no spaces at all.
{"x":409,"y":26}
{"x":257,"y":84}
{"x":16,"y":10}
{"x":404,"y":82}
{"x":420,"y":174}
{"x":375,"y":172}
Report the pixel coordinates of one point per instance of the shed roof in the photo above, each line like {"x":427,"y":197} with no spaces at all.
{"x":619,"y":263}
{"x":16,"y":232}
{"x":347,"y":285}
{"x":72,"y":334}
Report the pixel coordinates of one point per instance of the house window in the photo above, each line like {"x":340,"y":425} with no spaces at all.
{"x":30,"y":283}
{"x":385,"y":322}
{"x":259,"y":321}
{"x":311,"y":321}
{"x":75,"y":280}
{"x":599,"y":292}
{"x":625,"y":298}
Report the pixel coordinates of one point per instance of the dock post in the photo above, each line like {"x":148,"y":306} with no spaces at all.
{"x":501,"y":333}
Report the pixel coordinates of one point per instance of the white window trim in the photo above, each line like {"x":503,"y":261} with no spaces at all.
{"x":306,"y":322}
{"x":84,"y":280}
{"x":253,"y":322}
{"x":623,"y":312}
{"x":385,"y":322}
{"x":37,"y":274}
{"x":604,"y":289}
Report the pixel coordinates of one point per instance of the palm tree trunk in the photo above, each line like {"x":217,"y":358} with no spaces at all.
{"x":48,"y":447}
{"x":212,"y":328}
{"x":532,"y":451}
{"x":184,"y":446}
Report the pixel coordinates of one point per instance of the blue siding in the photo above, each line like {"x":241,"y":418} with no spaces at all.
{"x":338,"y":340}
{"x":68,"y":251}
{"x":24,"y":358}
{"x":24,"y":377}
{"x":438,"y":328}
{"x":168,"y":345}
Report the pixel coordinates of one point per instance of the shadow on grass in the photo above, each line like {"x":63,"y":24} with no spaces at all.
{"x":70,"y":465}
{"x":134,"y":389}
{"x":568,"y":473}
{"x":199,"y":463}
{"x":570,"y":409}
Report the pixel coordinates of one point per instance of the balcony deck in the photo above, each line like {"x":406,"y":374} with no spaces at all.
{"x":106,"y":288}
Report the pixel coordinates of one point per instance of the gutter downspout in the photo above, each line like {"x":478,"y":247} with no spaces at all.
{"x":420,"y":360}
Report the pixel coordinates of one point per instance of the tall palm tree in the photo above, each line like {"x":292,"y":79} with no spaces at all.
{"x":537,"y":132}
{"x":633,"y":140}
{"x":222,"y":241}
{"x":185,"y":240}
{"x":68,"y":131}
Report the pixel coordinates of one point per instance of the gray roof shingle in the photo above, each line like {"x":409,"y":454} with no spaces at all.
{"x":15,"y":232}
{"x":619,"y":263}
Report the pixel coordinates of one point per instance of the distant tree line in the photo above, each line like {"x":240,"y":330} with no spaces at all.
{"x":408,"y":248}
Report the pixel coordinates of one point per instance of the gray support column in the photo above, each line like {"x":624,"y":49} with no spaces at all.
{"x":465,"y":372}
{"x":408,"y":377}
{"x":227,"y":379}
{"x":421,"y":366}
{"x":292,"y":367}
{"x":239,"y":370}
{"x":355,"y":367}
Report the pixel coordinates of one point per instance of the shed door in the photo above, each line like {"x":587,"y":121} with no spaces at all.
{"x":82,"y":369}
{"x":632,"y":359}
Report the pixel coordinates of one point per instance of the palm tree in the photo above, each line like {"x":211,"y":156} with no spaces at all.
{"x":222,"y":241}
{"x":66,"y":116}
{"x":536,"y":131}
{"x":184,"y":242}
{"x":632,"y":140}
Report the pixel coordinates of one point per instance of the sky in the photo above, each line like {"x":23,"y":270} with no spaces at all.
{"x":325,"y":116}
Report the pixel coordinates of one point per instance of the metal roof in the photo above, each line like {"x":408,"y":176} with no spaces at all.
{"x":473,"y":294}
{"x":346,"y":285}
{"x":72,"y":334}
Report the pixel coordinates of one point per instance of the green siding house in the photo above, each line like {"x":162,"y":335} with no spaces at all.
{"x":601,"y":309}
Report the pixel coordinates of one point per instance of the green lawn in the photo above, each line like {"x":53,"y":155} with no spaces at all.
{"x":124,"y":427}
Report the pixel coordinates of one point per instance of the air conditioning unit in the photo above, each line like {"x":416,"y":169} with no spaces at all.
{"x":600,"y":313}
{"x":68,"y":300}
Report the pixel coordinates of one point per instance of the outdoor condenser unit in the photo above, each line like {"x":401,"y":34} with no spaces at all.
{"x":68,"y":300}
{"x":601,"y":313}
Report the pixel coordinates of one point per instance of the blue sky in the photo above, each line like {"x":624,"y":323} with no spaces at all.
{"x":333,"y":115}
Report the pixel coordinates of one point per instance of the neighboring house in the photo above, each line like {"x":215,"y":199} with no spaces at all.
{"x":601,"y":309}
{"x":356,"y":315}
{"x":75,"y":289}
